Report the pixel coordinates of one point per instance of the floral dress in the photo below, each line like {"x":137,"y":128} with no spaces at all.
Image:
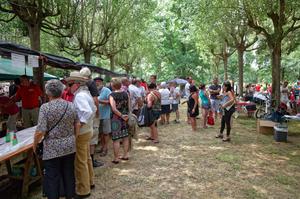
{"x":119,"y":128}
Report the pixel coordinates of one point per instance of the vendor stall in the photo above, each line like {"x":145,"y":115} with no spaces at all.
{"x":24,"y":152}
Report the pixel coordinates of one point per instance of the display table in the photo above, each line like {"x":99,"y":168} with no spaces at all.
{"x":293,"y":123}
{"x":24,"y":146}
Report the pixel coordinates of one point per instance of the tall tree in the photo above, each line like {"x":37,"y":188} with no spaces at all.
{"x":275,"y":20}
{"x":50,"y":16}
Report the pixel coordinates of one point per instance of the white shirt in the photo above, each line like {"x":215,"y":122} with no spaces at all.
{"x":142,"y":91}
{"x":85,"y":109}
{"x":135,"y":94}
{"x":187,"y":89}
{"x":165,"y":96}
{"x":174,"y":93}
{"x":284,"y":98}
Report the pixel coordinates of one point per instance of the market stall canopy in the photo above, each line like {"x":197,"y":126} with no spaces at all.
{"x":8,"y":72}
{"x":52,"y":60}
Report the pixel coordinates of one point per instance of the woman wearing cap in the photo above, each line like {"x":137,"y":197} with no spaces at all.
{"x":57,"y":121}
{"x":165,"y":103}
{"x":119,"y":102}
{"x":228,"y":108}
{"x":193,"y":106}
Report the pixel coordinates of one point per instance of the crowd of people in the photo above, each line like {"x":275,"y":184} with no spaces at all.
{"x":289,"y":93}
{"x":79,"y":114}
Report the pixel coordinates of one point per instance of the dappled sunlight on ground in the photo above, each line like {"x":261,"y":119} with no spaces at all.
{"x":188,"y":165}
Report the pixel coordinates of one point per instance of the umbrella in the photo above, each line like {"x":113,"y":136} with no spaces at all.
{"x":178,"y":81}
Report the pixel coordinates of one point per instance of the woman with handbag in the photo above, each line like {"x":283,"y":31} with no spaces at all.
{"x":228,"y":108}
{"x":56,"y":123}
{"x":205,"y":104}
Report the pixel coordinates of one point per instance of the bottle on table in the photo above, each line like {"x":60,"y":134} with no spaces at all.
{"x":14,"y":139}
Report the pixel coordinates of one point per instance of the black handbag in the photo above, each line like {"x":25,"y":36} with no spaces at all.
{"x":40,"y":145}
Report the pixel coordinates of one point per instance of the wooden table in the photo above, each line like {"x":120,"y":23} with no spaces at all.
{"x":23,"y":147}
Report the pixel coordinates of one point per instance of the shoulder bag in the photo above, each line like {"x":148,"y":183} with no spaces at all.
{"x":40,"y":145}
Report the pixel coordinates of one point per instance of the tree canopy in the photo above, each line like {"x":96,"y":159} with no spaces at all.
{"x":242,"y":40}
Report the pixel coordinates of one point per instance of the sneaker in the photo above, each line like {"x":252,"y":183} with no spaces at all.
{"x":97,"y":163}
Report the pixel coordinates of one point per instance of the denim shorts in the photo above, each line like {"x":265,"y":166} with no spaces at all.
{"x":215,"y":105}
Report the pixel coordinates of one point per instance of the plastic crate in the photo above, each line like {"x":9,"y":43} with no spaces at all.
{"x":280,"y":133}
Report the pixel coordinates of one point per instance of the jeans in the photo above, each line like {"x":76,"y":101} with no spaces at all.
{"x":226,"y":120}
{"x":59,"y":170}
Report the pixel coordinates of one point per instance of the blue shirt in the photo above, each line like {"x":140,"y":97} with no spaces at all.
{"x":297,"y":90}
{"x":104,"y":108}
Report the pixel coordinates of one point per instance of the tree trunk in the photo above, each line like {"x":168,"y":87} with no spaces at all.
{"x":225,"y":60}
{"x":87,"y":56}
{"x":276,"y":66}
{"x":112,"y":62}
{"x":35,"y":37}
{"x":241,"y":70}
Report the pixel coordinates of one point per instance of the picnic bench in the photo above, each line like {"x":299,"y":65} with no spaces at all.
{"x":24,"y":151}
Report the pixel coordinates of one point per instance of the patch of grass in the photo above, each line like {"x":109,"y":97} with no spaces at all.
{"x":246,"y":122}
{"x":233,"y":160}
{"x":286,"y":180}
{"x":229,"y":158}
{"x":251,"y":194}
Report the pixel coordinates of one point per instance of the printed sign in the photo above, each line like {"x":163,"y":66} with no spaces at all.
{"x":33,"y":61}
{"x":17,"y":60}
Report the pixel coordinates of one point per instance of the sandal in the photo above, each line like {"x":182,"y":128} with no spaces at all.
{"x":226,"y":139}
{"x":149,"y":138}
{"x":155,"y":141}
{"x":125,"y":159}
{"x":219,"y":136}
{"x":115,"y":161}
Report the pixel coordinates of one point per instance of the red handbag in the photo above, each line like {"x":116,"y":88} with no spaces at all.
{"x":210,"y":119}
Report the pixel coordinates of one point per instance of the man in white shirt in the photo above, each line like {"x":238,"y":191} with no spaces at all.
{"x":165,"y":103}
{"x":86,"y":110}
{"x":135,"y":97}
{"x":175,"y":98}
{"x":187,"y":87}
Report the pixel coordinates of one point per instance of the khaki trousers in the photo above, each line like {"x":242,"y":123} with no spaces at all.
{"x":84,"y":173}
{"x":30,"y":117}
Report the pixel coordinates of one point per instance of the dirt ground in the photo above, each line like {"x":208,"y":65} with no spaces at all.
{"x":186,"y":164}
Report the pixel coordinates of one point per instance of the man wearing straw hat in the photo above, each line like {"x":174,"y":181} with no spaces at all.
{"x":86,"y":110}
{"x":91,"y":84}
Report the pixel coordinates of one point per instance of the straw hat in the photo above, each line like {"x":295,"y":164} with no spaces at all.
{"x":85,"y":72}
{"x":76,"y":76}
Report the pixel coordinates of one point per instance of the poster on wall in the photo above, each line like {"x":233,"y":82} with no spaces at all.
{"x":33,"y":61}
{"x":17,"y":60}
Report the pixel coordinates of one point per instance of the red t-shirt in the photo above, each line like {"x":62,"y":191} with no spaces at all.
{"x":11,"y":109}
{"x":257,"y":88}
{"x":67,"y":96}
{"x":144,"y":85}
{"x":29,"y":96}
